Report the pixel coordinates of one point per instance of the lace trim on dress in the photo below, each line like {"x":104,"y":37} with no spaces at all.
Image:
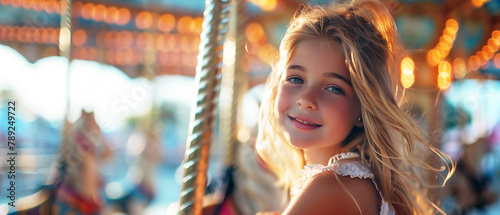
{"x":353,"y":169}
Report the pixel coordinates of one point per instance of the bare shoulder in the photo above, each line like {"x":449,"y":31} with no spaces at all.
{"x":323,"y":194}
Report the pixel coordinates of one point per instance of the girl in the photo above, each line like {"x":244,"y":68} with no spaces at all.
{"x":333,"y":105}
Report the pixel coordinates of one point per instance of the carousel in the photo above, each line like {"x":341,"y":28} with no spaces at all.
{"x":150,"y":107}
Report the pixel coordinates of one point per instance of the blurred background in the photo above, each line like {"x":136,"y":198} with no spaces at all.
{"x":133,"y":64}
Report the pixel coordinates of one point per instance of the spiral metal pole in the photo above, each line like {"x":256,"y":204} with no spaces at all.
{"x":65,"y":51}
{"x":65,"y":30}
{"x":215,"y":19}
{"x":65,"y":43}
{"x":234,"y":83}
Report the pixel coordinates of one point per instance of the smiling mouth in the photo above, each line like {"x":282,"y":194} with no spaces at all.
{"x":302,"y":121}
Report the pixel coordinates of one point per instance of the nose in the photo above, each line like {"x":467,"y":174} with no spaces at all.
{"x":307,"y":100}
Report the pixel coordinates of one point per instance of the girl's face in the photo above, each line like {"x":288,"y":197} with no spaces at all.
{"x":317,"y":104}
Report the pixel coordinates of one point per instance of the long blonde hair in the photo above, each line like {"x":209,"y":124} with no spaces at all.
{"x":389,"y":141}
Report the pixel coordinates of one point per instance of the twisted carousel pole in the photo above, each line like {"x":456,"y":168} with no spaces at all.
{"x":215,"y":19}
{"x":65,"y":44}
{"x":234,"y":81}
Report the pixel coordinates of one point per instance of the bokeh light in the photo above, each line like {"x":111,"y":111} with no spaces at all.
{"x":459,"y":68}
{"x":88,"y":11}
{"x":27,"y":4}
{"x":166,"y":22}
{"x":407,"y":72}
{"x":76,"y":9}
{"x":255,"y":33}
{"x":474,"y":62}
{"x":111,"y":15}
{"x":79,"y":37}
{"x":126,"y":39}
{"x":38,"y":5}
{"x":496,"y":61}
{"x":444,"y":77}
{"x":198,"y":25}
{"x":144,"y":20}
{"x":16,"y":3}
{"x":51,"y":6}
{"x":100,"y":12}
{"x":186,"y":25}
{"x":123,"y":16}
{"x":433,"y":57}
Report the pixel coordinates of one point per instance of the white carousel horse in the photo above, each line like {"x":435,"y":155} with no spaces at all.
{"x":77,"y":187}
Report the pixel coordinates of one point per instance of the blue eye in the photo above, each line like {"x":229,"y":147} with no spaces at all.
{"x":295,"y":80}
{"x":335,"y":90}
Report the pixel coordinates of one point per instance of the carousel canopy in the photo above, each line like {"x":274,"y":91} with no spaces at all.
{"x":164,"y":35}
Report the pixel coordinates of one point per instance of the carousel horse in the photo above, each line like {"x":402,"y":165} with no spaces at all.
{"x":248,"y":188}
{"x":76,"y":188}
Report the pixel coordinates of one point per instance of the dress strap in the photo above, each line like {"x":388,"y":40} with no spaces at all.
{"x":354,"y":168}
{"x":341,"y":156}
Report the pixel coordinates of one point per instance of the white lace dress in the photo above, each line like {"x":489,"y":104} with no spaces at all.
{"x":352,"y":167}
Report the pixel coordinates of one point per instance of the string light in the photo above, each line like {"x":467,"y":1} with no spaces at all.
{"x":76,"y":9}
{"x":100,"y":12}
{"x":474,"y":62}
{"x":79,"y":37}
{"x":123,"y":16}
{"x":38,"y":5}
{"x":166,"y":22}
{"x":482,"y":57}
{"x":144,"y":20}
{"x":496,"y":61}
{"x":88,"y":11}
{"x":117,"y":40}
{"x":198,"y":25}
{"x":108,"y":14}
{"x":111,"y":15}
{"x":127,"y":39}
{"x":444,"y":75}
{"x":459,"y":68}
{"x":52,"y":7}
{"x":433,"y":57}
{"x":80,"y":53}
{"x":407,"y":72}
{"x":186,"y":25}
{"x":442,"y":49}
{"x":479,"y":3}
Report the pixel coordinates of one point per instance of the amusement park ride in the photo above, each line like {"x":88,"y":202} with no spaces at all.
{"x":227,"y":37}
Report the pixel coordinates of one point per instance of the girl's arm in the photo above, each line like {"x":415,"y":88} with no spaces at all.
{"x":323,"y":194}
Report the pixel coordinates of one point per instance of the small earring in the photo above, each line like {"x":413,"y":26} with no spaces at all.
{"x":359,"y":120}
